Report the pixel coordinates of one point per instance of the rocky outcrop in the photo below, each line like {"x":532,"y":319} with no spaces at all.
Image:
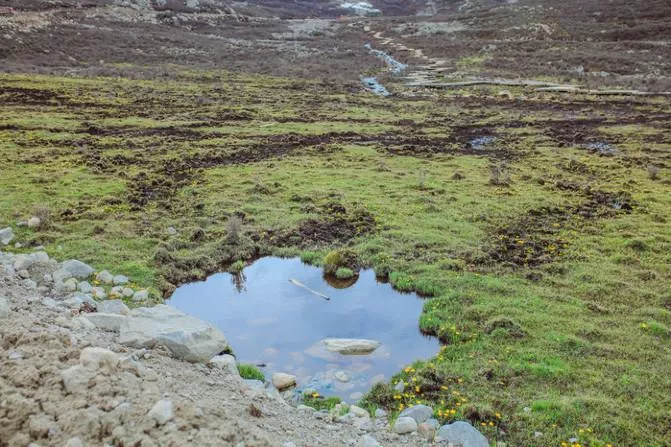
{"x":188,"y":338}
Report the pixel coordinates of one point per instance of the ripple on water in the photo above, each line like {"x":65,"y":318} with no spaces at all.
{"x":269,"y":320}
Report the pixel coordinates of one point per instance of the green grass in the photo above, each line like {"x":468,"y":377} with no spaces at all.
{"x":248,"y":371}
{"x":554,"y":319}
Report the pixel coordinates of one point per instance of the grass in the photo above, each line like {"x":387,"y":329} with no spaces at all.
{"x":251,"y":372}
{"x":553,"y":305}
{"x":318,"y":402}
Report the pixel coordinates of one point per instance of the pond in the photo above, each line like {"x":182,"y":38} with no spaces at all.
{"x":274,"y":314}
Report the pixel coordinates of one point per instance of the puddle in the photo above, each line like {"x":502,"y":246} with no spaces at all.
{"x":479,"y":143}
{"x":395,"y":66}
{"x":375,"y":87}
{"x":270,"y":320}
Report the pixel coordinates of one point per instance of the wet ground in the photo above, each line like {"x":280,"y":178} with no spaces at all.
{"x":270,"y":321}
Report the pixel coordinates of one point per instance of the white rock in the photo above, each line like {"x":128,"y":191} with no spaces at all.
{"x":188,"y":338}
{"x":48,"y":302}
{"x":6,"y":235}
{"x":127,"y":292}
{"x":74,"y":442}
{"x":282,"y":381}
{"x":120,"y":280}
{"x":141,"y":295}
{"x":61,"y":275}
{"x":380,"y":413}
{"x":351,"y":346}
{"x":368,"y":441}
{"x":107,"y":322}
{"x":161,"y":412}
{"x":98,"y":293}
{"x":77,"y":269}
{"x":105,"y":277}
{"x":84,"y":287}
{"x":405,"y":425}
{"x":70,"y":285}
{"x":113,"y":307}
{"x":34,"y":222}
{"x":4,"y":307}
{"x":225,"y":362}
{"x":420,"y":413}
{"x":462,"y":433}
{"x":94,"y":358}
{"x":76,"y":378}
{"x":358,"y":411}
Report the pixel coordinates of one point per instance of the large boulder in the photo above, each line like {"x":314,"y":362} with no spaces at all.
{"x":188,"y":338}
{"x":351,"y":346}
{"x":77,"y":269}
{"x":462,"y":433}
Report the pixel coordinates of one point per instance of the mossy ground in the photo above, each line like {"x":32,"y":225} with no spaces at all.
{"x":550,"y":289}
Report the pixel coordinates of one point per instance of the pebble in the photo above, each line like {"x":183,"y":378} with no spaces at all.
{"x":405,"y":425}
{"x":120,"y":280}
{"x":368,"y":441}
{"x":161,"y":412}
{"x":358,"y":411}
{"x":34,"y":222}
{"x":4,"y":307}
{"x":105,"y":277}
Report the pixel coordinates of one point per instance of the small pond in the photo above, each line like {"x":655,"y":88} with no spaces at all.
{"x":270,"y":320}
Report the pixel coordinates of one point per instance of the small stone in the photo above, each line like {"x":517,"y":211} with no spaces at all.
{"x":15,"y":355}
{"x":23,"y":274}
{"x":368,"y":441}
{"x":74,"y":442}
{"x":48,"y":302}
{"x":105,"y":277}
{"x":76,"y":378}
{"x":420,"y":413}
{"x":426,"y":431}
{"x":6,"y":235}
{"x":120,"y":280}
{"x":380,"y":413}
{"x":4,"y":307}
{"x":282,"y":381}
{"x":34,"y":222}
{"x":405,"y":425}
{"x":98,"y":293}
{"x":171,"y":231}
{"x":61,"y":275}
{"x":94,"y":358}
{"x":113,"y":307}
{"x":141,"y":295}
{"x":127,"y":292}
{"x":84,"y":287}
{"x":342,"y":376}
{"x":161,"y":412}
{"x":225,"y":362}
{"x":116,"y":292}
{"x":358,"y":411}
{"x":70,"y":285}
{"x":77,"y":269}
{"x":538,"y":434}
{"x":39,"y":425}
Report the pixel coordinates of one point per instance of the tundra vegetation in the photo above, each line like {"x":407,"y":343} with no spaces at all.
{"x":543,"y":255}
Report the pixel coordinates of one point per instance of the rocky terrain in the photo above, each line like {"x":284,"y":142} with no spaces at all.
{"x":76,"y":371}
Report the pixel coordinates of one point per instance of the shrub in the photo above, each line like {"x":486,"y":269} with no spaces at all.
{"x":505,"y":323}
{"x":318,"y":402}
{"x":248,"y":371}
{"x":499,"y":176}
{"x":236,"y":267}
{"x":310,"y":257}
{"x":344,"y":273}
{"x":653,"y":172}
{"x":233,"y":227}
{"x":340,"y":258}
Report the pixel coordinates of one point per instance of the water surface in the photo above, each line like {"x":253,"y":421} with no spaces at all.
{"x":269,"y":320}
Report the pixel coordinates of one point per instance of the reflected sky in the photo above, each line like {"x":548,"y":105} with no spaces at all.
{"x":269,"y":320}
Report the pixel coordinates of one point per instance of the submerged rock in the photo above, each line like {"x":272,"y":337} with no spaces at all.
{"x":351,"y":346}
{"x":188,"y":338}
{"x":462,"y":433}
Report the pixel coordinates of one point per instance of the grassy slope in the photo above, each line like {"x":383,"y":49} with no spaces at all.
{"x":575,"y":344}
